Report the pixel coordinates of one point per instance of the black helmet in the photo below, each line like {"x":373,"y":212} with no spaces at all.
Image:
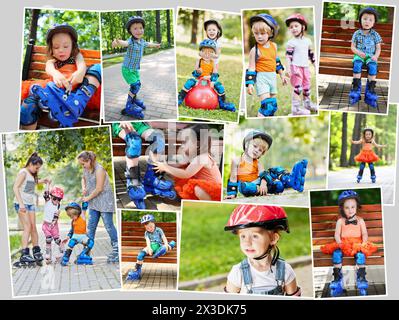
{"x":368,"y":10}
{"x":134,"y":19}
{"x":211,"y":21}
{"x":61,"y":28}
{"x":257,"y":134}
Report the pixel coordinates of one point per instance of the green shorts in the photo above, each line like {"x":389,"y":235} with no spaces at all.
{"x":155,"y":246}
{"x":365,"y":60}
{"x":130,"y":76}
{"x":139,"y":127}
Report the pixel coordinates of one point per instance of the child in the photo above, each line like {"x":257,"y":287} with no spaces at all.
{"x":77,"y":234}
{"x":131,"y":64}
{"x":71,"y":87}
{"x":299,"y":51}
{"x":351,"y":239}
{"x":262,"y":271}
{"x":155,"y":183}
{"x":264,"y":64}
{"x":366,"y":46}
{"x":213,"y":31}
{"x":156,"y":245}
{"x":199,"y":177}
{"x":249,"y":177}
{"x":205,"y":68}
{"x":367,"y":154}
{"x":50,"y":222}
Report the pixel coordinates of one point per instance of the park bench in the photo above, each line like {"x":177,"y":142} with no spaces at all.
{"x":336,"y":54}
{"x":34,"y":68}
{"x":323,"y":229}
{"x":133,"y":241}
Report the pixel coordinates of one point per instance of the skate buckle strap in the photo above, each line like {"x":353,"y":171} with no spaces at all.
{"x":86,"y":91}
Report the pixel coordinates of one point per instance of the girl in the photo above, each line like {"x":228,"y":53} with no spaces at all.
{"x":97,"y":191}
{"x":213,"y":32}
{"x":351,"y":239}
{"x":24,"y":203}
{"x":367,"y":154}
{"x":199,"y":177}
{"x":299,"y":51}
{"x":70,"y":82}
{"x":262,"y":271}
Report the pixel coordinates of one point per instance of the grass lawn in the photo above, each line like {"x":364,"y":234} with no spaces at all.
{"x":15,"y":242}
{"x":230,"y":71}
{"x":206,"y":249}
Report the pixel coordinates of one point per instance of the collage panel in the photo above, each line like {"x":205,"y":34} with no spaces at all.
{"x":280,"y":43}
{"x":245,"y":249}
{"x":149,"y":250}
{"x":348,"y":243}
{"x":157,"y":164}
{"x":275,"y":161}
{"x":139,"y":60}
{"x":209,"y":64}
{"x":355,"y":57}
{"x":61,"y":69}
{"x":353,"y":163}
{"x":59,"y":183}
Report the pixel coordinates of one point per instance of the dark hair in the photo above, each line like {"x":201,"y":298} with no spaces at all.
{"x":75,"y":48}
{"x":370,"y":130}
{"x":341,"y":206}
{"x":34,"y":159}
{"x":88,"y":156}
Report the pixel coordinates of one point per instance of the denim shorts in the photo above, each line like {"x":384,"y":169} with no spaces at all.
{"x":29,"y":207}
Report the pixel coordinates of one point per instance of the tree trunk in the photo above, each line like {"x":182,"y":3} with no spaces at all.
{"x":343,"y":161}
{"x":168,"y":33}
{"x":356,"y":135}
{"x":194,"y":27}
{"x":247,"y":34}
{"x":158,"y":35}
{"x":390,"y":14}
{"x":33,"y":24}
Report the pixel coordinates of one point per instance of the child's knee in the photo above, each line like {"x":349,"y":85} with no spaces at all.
{"x":141,"y":255}
{"x":93,"y":75}
{"x":357,"y":66}
{"x":372,"y":68}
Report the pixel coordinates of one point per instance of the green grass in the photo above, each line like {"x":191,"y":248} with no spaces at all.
{"x":206,"y":249}
{"x":15,"y":242}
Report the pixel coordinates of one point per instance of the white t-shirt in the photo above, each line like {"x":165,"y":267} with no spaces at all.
{"x":301,"y":54}
{"x":264,"y":281}
{"x":49,"y":211}
{"x":218,"y":46}
{"x":27,"y":188}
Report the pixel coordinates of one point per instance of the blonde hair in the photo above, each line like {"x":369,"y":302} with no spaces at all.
{"x":72,"y":212}
{"x":261,"y":142}
{"x":260,"y":26}
{"x":88,"y":156}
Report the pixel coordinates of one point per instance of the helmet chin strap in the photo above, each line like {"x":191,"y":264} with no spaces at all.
{"x":276,"y":255}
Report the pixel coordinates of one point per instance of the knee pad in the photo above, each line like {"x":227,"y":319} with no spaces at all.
{"x":276,"y":186}
{"x":268,"y":106}
{"x":248,"y":189}
{"x":57,"y":241}
{"x":360,"y":258}
{"x":357,"y":66}
{"x":90,"y":243}
{"x":30,"y":113}
{"x":306,"y":92}
{"x":72,"y":243}
{"x":337,"y":257}
{"x":214,"y":77}
{"x":298,"y":90}
{"x":372,"y":68}
{"x":189,"y":84}
{"x":95,"y":71}
{"x":141,"y":255}
{"x":219,"y":88}
{"x":250,"y":77}
{"x":49,"y":239}
{"x":133,"y":145}
{"x":135,"y":87}
{"x":157,"y":140}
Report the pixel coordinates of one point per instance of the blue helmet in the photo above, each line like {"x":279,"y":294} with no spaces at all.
{"x":147,"y":218}
{"x":207,"y":43}
{"x":368,"y":10}
{"x":269,"y":20}
{"x":347,"y":194}
{"x":134,"y":19}
{"x":73,"y":205}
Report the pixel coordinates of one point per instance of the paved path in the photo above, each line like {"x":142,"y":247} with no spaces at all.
{"x":158,"y":88}
{"x":334,"y":93}
{"x":156,"y":276}
{"x":346,"y":178}
{"x":54,"y":278}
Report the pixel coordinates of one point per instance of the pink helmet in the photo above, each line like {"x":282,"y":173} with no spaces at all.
{"x":57,"y":192}
{"x":297,"y":17}
{"x":248,"y":216}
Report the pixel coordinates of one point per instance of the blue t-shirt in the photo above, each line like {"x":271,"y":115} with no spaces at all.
{"x":156,"y":236}
{"x":134,"y":53}
{"x":366,"y":43}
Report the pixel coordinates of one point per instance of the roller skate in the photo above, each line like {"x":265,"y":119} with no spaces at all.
{"x":356,"y":91}
{"x":136,"y":193}
{"x":181,"y":96}
{"x":25,"y":260}
{"x":157,"y":184}
{"x":29,"y":111}
{"x":134,"y":274}
{"x":37,"y":255}
{"x":65,"y":257}
{"x":297,"y":110}
{"x":134,"y":107}
{"x":229,"y":106}
{"x":162,"y":251}
{"x":361,"y":282}
{"x":337,"y":285}
{"x":84,"y":258}
{"x":358,"y":178}
{"x":309,"y":105}
{"x":295,"y":179}
{"x":113,"y":257}
{"x":370,"y":96}
{"x":373,"y":179}
{"x":47,"y":256}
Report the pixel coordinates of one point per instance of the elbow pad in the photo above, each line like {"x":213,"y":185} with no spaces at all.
{"x":290,"y":53}
{"x":214,"y":77}
{"x":196,"y":74}
{"x":311,"y":56}
{"x":250,"y":77}
{"x":297,"y":293}
{"x":279,"y":65}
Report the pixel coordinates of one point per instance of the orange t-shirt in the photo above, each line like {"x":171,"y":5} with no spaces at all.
{"x":211,"y":174}
{"x":79,"y":226}
{"x":207,"y":67}
{"x":350,"y":230}
{"x":367,"y":146}
{"x":248,"y":171}
{"x":267,"y":58}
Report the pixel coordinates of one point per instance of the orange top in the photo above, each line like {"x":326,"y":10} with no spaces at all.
{"x":367,"y":146}
{"x":350,"y":230}
{"x":248,"y":171}
{"x":267,"y":58}
{"x":79,"y":226}
{"x":211,"y":174}
{"x":207,"y":67}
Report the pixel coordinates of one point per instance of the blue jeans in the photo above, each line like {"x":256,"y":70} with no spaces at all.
{"x":28,"y":207}
{"x":94,"y":217}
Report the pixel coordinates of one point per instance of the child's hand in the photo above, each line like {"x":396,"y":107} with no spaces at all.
{"x":212,"y":84}
{"x":198,"y":70}
{"x":160,"y":166}
{"x":362,"y":55}
{"x":84,"y":192}
{"x":288,"y":74}
{"x":77,"y":77}
{"x":250,"y":89}
{"x":157,"y":45}
{"x":284,"y":79}
{"x":115,"y":43}
{"x":374,"y":58}
{"x":263,"y":189}
{"x":127,"y":126}
{"x":60,"y":80}
{"x":150,"y":252}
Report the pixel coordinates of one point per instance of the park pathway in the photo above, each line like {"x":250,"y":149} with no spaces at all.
{"x":158,"y":88}
{"x":346,"y":178}
{"x":54,"y":278}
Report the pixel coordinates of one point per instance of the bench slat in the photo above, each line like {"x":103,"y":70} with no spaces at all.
{"x":348,"y":261}
{"x":334,"y":209}
{"x":86,"y":53}
{"x":333,"y":217}
{"x":331,"y":225}
{"x":330,"y":233}
{"x":338,"y":30}
{"x":346,"y":44}
{"x":348,"y":51}
{"x":322,"y":241}
{"x":346,"y":63}
{"x":377,"y":26}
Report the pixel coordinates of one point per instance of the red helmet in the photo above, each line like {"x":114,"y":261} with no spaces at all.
{"x":248,"y":216}
{"x":297,"y":17}
{"x":57,"y":192}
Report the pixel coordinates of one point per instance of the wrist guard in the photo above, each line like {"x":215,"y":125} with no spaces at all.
{"x":250,"y":77}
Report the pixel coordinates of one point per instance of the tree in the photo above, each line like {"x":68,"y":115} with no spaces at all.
{"x":344,"y":145}
{"x":168,"y":37}
{"x":356,"y":134}
{"x":158,"y":35}
{"x":194,"y":27}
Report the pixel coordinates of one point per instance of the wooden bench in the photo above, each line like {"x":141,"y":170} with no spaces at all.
{"x":336,"y":54}
{"x":133,"y":241}
{"x":34,"y":69}
{"x":323,"y":228}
